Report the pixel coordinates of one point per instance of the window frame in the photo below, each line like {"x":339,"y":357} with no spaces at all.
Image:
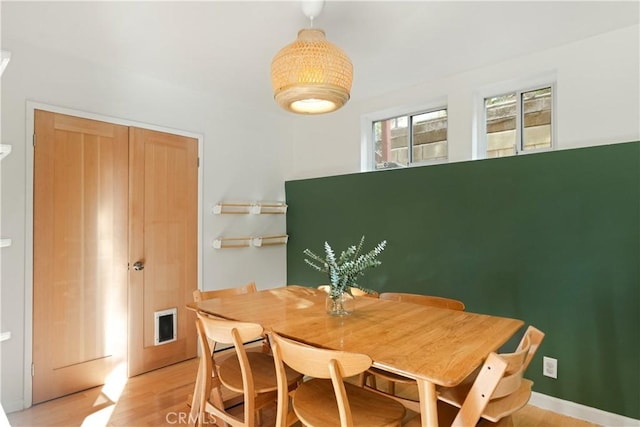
{"x":481,"y":151}
{"x":368,"y":162}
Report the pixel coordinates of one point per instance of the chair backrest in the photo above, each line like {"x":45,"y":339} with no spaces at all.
{"x":512,"y":391}
{"x":227,"y":332}
{"x":517,"y":362}
{"x":318,"y":363}
{"x":199,"y":295}
{"x":428,"y":300}
{"x":535,"y":337}
{"x":512,"y":377}
{"x":354,"y":291}
{"x":480,"y":392}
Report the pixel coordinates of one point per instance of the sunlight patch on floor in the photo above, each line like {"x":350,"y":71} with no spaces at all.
{"x":115,"y":382}
{"x":100,"y":418}
{"x":108,"y":398}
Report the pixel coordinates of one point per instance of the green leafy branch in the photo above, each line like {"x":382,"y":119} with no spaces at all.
{"x":344,"y":271}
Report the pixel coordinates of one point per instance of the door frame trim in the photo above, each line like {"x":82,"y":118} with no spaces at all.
{"x":31,"y":106}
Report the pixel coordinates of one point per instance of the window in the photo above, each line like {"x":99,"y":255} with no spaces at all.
{"x":410,"y":139}
{"x":518,"y":122}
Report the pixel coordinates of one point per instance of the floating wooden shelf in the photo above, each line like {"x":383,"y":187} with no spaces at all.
{"x":245,"y":242}
{"x":232,"y":208}
{"x":261,"y":241}
{"x":269,"y":208}
{"x":256,"y":208}
{"x":232,"y":242}
{"x":5,"y":57}
{"x":5,"y":150}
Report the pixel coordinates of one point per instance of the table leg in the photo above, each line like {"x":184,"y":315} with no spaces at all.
{"x":428,"y":403}
{"x":195,"y":400}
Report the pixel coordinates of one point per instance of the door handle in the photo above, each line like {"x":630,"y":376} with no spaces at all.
{"x":138,"y":266}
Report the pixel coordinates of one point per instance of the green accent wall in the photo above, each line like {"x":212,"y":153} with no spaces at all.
{"x":550,"y":238}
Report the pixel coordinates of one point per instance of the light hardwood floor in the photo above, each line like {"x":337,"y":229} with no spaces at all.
{"x":160,"y":398}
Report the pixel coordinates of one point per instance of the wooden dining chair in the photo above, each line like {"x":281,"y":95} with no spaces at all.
{"x":512,"y":392}
{"x":428,"y":300}
{"x":251,"y":373}
{"x":248,"y":288}
{"x":354,"y":291}
{"x":325,"y":399}
{"x":476,"y":399}
{"x":199,"y":295}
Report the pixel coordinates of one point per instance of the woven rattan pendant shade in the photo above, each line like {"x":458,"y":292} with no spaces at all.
{"x":311,"y":75}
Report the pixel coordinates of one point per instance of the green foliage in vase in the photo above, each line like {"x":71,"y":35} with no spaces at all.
{"x":343,"y":271}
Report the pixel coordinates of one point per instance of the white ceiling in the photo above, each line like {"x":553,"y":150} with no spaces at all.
{"x":227,"y":47}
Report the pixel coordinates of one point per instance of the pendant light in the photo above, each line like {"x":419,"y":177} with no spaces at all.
{"x":311,"y":75}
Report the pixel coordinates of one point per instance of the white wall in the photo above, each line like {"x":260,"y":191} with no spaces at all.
{"x":245,"y":156}
{"x":598,"y":102}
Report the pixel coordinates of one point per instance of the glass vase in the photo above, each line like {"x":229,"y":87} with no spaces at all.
{"x":342,"y":304}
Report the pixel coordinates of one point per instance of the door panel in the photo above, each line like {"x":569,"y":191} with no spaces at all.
{"x":80,"y":253}
{"x":163,"y":236}
{"x":102,"y":201}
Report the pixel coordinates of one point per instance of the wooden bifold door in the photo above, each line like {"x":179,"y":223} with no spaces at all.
{"x":106,"y":197}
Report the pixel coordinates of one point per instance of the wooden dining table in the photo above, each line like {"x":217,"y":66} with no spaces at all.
{"x":434,"y":346}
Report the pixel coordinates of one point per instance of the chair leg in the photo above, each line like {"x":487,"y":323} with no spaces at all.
{"x":373,"y":381}
{"x":266,"y":348}
{"x":216,"y":398}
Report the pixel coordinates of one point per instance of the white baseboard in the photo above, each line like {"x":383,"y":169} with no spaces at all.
{"x":581,"y":412}
{"x":16,"y":405}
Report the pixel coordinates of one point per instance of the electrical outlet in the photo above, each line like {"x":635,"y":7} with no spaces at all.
{"x":550,"y":367}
